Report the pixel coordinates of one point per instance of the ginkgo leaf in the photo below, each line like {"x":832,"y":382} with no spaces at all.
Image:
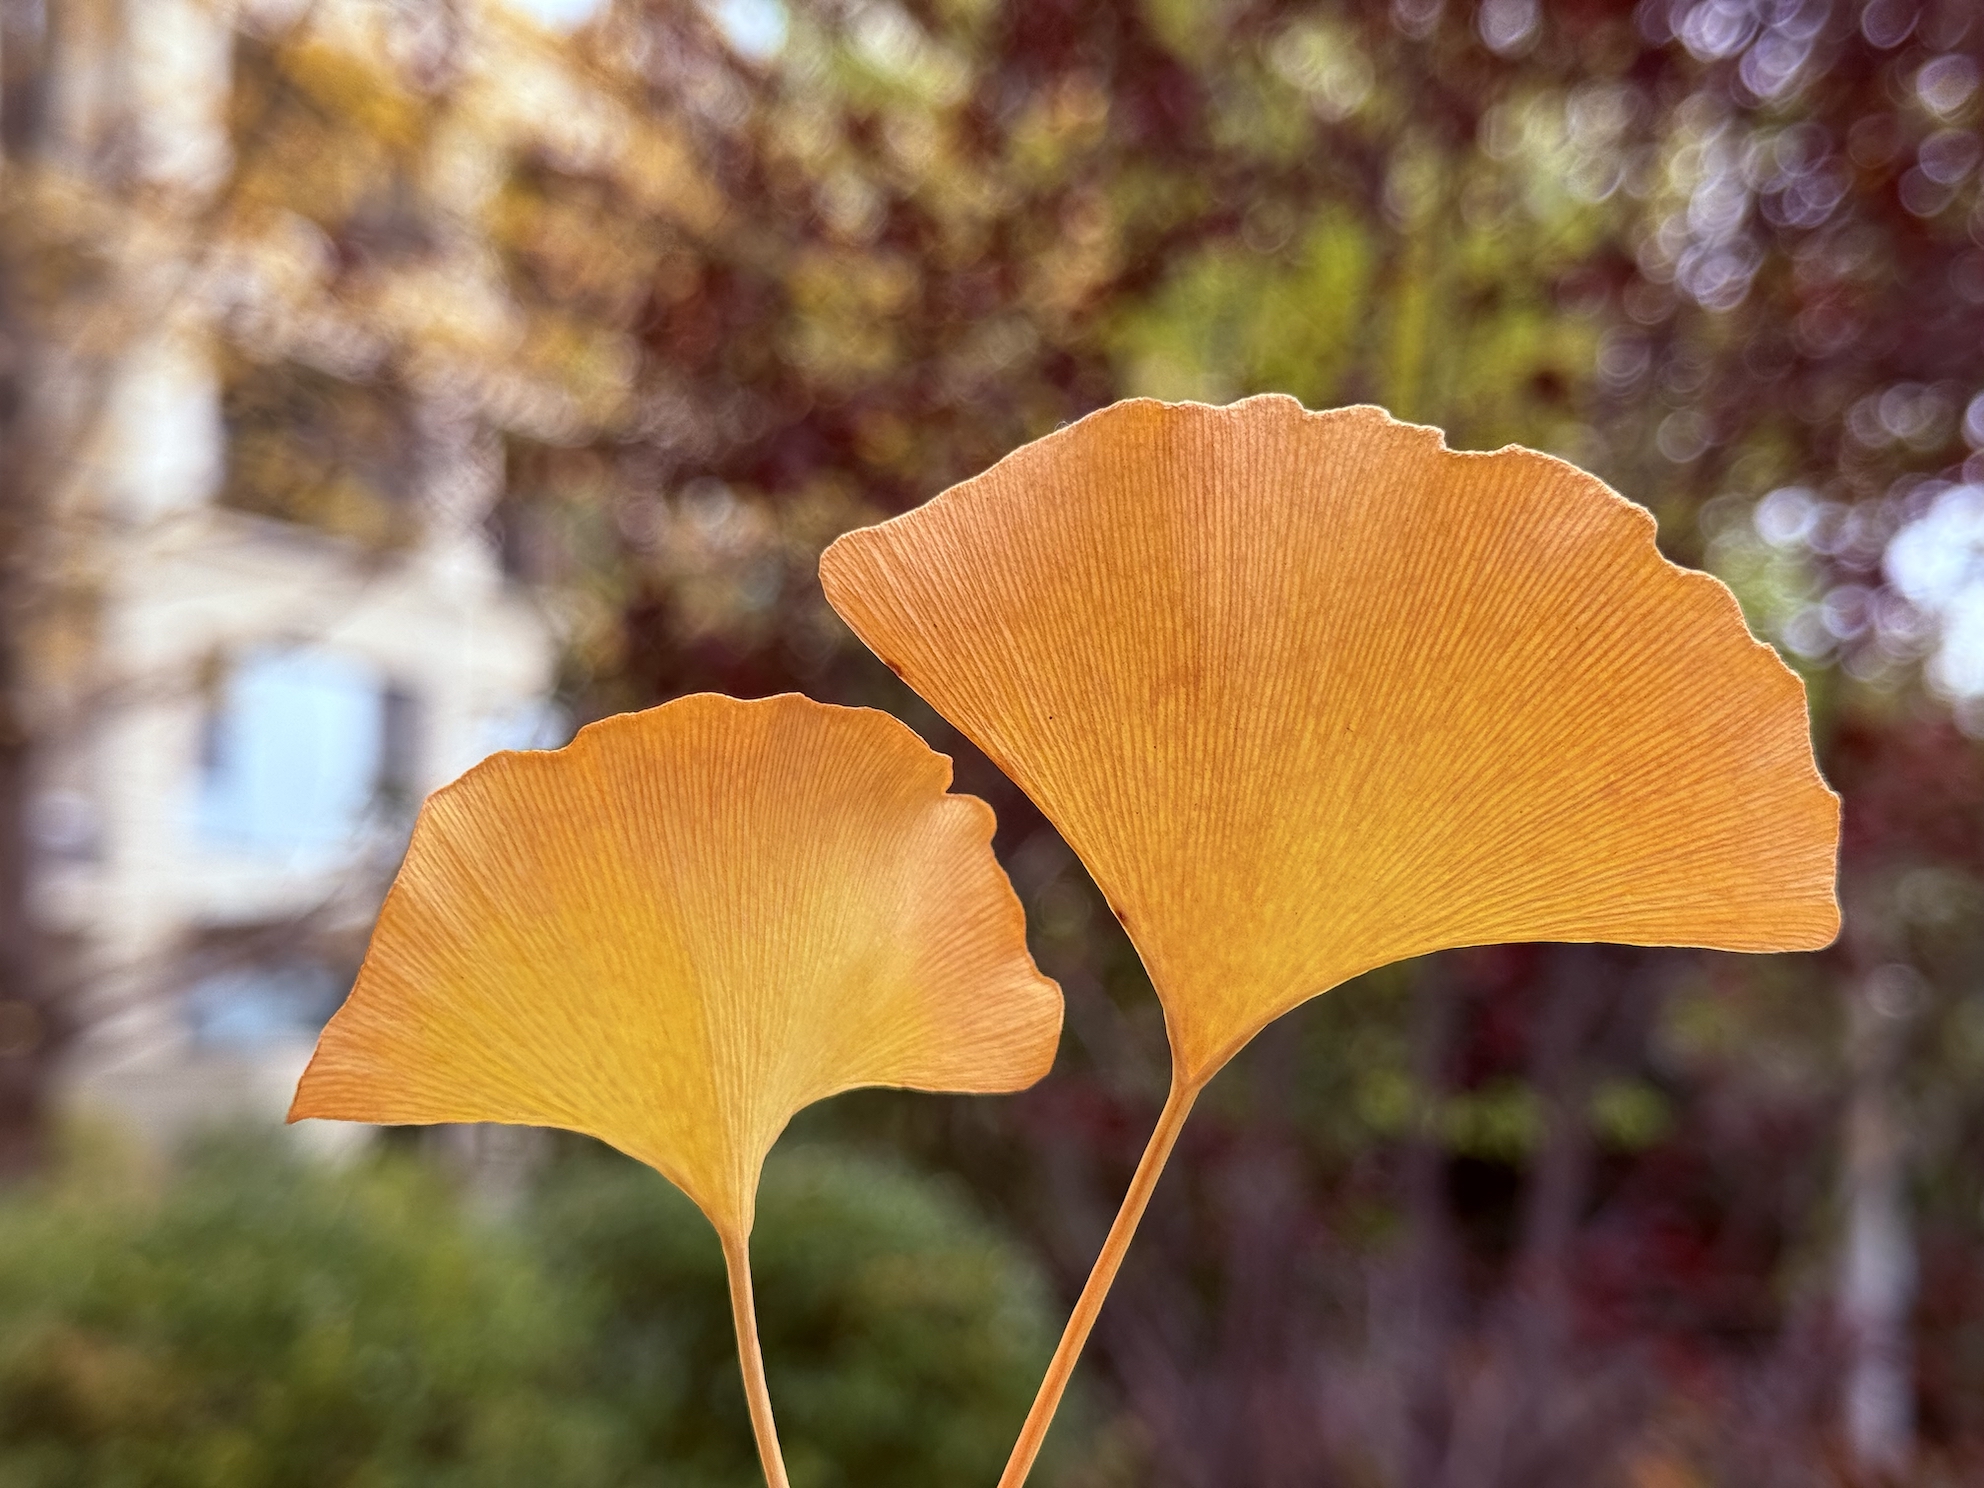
{"x":678,"y":931}
{"x":682,"y":928}
{"x":1310,"y":693}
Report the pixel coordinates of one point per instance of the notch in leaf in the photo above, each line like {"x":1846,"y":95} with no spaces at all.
{"x":678,"y":931}
{"x":1311,"y":693}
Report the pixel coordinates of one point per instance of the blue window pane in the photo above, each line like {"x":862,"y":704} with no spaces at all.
{"x":534,"y":725}
{"x":293,"y":758}
{"x":259,"y":1005}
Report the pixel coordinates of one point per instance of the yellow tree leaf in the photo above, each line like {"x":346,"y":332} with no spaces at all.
{"x":678,"y":931}
{"x":1310,"y":693}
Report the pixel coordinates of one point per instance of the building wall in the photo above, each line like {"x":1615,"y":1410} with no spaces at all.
{"x":265,"y":702}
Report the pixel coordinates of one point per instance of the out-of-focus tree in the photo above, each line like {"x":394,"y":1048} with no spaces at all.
{"x":23,"y":1011}
{"x":266,"y":1322}
{"x":902,"y":1336}
{"x":1725,"y":254}
{"x":1808,"y":303}
{"x":1532,"y":1215}
{"x":61,"y":245}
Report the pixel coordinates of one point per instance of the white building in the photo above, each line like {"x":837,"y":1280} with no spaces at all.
{"x":267,"y":697}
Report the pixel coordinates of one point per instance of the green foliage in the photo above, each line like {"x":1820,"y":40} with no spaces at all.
{"x":902,"y":1338}
{"x":262,"y":1322}
{"x":1228,"y":322}
{"x":266,"y":1323}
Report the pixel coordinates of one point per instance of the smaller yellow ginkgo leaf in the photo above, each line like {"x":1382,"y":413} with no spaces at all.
{"x":682,"y":928}
{"x":678,"y":931}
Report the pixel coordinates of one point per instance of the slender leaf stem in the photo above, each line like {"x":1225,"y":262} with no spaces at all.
{"x":1177,"y":1106}
{"x":751,"y":1359}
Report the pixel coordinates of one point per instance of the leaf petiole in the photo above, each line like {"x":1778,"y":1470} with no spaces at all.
{"x":1177,"y":1106}
{"x":751,"y":1359}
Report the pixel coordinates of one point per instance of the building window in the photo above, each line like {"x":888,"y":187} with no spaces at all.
{"x":297,"y":745}
{"x":251,"y":1007}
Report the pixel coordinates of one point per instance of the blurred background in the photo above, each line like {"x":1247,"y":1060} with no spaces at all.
{"x":383,"y":382}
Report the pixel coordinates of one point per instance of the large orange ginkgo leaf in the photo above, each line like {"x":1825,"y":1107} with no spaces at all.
{"x":678,"y":931}
{"x":1309,"y":693}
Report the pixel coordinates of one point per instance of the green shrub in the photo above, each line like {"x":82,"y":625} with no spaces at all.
{"x":268,"y":1323}
{"x":265,"y":1323}
{"x":903,"y":1339}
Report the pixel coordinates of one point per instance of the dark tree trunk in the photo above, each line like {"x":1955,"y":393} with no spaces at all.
{"x":23,"y":1023}
{"x":1522,"y":1421}
{"x":1559,"y":1188}
{"x":1877,"y":1263}
{"x":27,"y":1022}
{"x":1430,"y":1284}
